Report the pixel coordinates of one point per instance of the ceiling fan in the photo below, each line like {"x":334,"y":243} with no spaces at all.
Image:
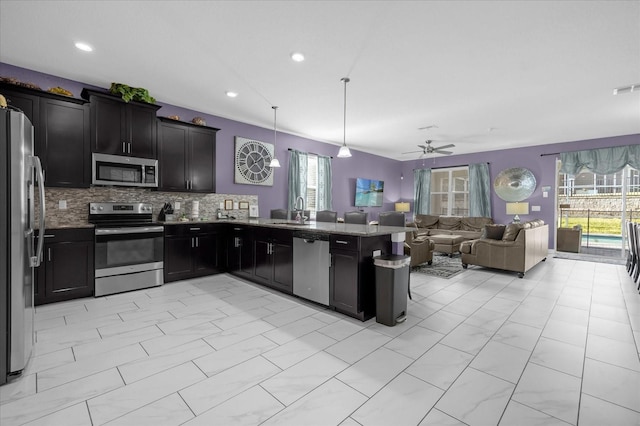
{"x":428,"y":149}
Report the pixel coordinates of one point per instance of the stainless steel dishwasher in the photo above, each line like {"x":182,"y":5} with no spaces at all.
{"x":311,"y":264}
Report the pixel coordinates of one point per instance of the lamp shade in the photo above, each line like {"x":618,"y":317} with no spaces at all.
{"x":517,"y":208}
{"x":403,"y":207}
{"x":344,"y":152}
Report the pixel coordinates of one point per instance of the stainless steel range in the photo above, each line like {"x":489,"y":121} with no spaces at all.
{"x":129,"y":247}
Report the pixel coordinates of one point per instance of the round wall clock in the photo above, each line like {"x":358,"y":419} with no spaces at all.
{"x":252,"y":160}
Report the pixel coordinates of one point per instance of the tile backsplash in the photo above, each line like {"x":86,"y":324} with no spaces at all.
{"x":78,"y":200}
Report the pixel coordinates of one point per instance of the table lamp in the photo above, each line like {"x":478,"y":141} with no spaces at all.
{"x":517,"y":209}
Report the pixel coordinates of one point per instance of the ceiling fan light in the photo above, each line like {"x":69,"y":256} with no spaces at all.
{"x":344,"y":152}
{"x":274,"y":163}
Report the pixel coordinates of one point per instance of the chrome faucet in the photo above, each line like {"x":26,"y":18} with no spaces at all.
{"x":299,"y":207}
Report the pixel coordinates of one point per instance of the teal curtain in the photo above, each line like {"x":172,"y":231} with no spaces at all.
{"x":479,"y":190}
{"x":324,"y":183}
{"x":601,"y":161}
{"x":422,"y":191}
{"x":297,"y":177}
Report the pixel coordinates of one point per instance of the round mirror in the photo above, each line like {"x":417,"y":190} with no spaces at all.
{"x":515,"y":184}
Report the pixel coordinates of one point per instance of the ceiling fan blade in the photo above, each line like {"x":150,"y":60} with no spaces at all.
{"x":443,"y":152}
{"x":446,"y":146}
{"x":412,"y":152}
{"x":423,"y":147}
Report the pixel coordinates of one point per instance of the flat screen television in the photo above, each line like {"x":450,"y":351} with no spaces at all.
{"x":369,"y":192}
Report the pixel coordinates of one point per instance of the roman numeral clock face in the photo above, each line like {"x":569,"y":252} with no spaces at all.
{"x":252,"y":162}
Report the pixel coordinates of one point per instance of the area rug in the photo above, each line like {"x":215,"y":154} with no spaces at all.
{"x":443,"y":266}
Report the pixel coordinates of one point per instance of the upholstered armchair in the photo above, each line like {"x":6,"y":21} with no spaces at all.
{"x":419,"y":247}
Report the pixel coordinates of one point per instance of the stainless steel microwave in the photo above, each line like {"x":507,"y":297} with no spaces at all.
{"x":124,"y":171}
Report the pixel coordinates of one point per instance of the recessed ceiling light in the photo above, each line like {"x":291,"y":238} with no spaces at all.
{"x":297,"y":56}
{"x":232,"y":94}
{"x":84,"y":46}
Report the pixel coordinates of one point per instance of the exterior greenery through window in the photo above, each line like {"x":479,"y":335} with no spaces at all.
{"x":450,"y":191}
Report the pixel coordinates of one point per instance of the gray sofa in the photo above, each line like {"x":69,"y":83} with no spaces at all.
{"x":519,"y":248}
{"x":447,"y":232}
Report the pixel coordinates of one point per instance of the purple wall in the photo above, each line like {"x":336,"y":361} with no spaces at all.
{"x":345,"y":171}
{"x":362,"y":164}
{"x":542,"y":166}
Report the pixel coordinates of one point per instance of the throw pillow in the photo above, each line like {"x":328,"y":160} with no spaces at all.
{"x":426,"y":221}
{"x":493,"y":232}
{"x":511,"y":231}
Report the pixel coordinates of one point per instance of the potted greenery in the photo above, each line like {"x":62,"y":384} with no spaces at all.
{"x":129,"y":93}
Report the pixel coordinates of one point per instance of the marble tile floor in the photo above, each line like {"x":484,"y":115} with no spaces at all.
{"x":559,"y":347}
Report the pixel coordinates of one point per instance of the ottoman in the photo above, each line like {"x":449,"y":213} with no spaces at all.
{"x":446,"y":243}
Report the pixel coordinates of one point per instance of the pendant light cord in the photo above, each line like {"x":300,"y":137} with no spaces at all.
{"x":275,"y":113}
{"x":344,"y":133}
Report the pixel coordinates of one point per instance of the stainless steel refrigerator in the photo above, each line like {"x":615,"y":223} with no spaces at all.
{"x":21,"y":180}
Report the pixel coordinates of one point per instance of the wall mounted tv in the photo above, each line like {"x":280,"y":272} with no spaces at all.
{"x":369,"y":192}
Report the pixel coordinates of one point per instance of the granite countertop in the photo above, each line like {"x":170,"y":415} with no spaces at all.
{"x":69,"y":226}
{"x":312,"y":226}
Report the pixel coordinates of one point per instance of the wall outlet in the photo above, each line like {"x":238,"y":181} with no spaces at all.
{"x":535,"y":208}
{"x":176,"y":205}
{"x":62,"y":204}
{"x":376,"y":253}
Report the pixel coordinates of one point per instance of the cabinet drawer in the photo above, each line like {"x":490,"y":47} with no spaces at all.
{"x":344,"y":242}
{"x":68,"y":235}
{"x":190,"y":229}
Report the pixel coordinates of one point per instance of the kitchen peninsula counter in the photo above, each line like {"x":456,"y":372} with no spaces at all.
{"x":310,"y":226}
{"x":262,"y":251}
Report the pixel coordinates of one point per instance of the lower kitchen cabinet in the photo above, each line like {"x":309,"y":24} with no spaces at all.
{"x":67,"y":268}
{"x":240,"y":251}
{"x":273,"y":257}
{"x":352,"y":284}
{"x":192,"y":250}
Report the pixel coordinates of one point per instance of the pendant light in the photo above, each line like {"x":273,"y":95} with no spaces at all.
{"x":344,"y":149}
{"x":274,"y":162}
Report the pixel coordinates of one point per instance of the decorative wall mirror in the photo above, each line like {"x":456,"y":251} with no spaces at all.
{"x":514,"y":184}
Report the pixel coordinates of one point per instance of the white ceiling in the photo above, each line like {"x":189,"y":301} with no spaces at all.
{"x":536,"y":72}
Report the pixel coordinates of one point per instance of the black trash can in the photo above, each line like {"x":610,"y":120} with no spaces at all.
{"x":392,"y":287}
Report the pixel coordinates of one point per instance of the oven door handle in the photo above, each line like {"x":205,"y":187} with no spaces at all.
{"x":136,"y":230}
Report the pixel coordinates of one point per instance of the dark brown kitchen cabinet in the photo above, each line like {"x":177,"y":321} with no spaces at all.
{"x":187,"y":157}
{"x":122,"y":128}
{"x":352,"y":274}
{"x":273,"y":257}
{"x":61,"y":134}
{"x":192,"y":250}
{"x":63,"y":143}
{"x":67,"y":268}
{"x":240,"y":251}
{"x":26,"y":100}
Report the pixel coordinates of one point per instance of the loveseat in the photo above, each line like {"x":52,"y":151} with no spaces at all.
{"x":446,"y":232}
{"x":515,"y":247}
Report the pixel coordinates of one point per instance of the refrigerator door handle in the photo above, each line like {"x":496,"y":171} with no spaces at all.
{"x":35,"y":260}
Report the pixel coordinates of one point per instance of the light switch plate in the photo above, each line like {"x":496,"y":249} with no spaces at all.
{"x":176,"y":205}
{"x":376,"y":253}
{"x":535,"y":208}
{"x":62,"y":204}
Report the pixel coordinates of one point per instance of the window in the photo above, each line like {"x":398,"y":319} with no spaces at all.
{"x":450,"y":191}
{"x":312,"y":183}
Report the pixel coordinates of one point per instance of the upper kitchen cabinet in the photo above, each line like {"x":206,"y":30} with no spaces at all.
{"x":61,"y":134}
{"x":122,"y":128}
{"x":186,"y":156}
